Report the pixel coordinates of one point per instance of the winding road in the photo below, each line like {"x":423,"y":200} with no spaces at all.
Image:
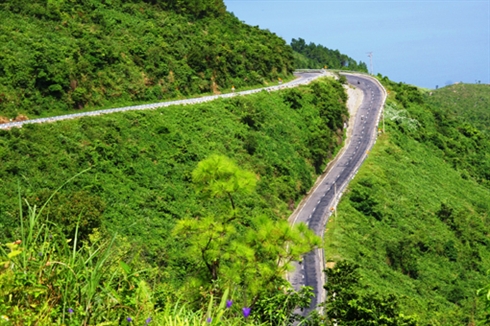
{"x":322,"y":200}
{"x":317,"y":207}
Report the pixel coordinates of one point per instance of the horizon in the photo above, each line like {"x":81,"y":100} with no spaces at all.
{"x":424,"y":43}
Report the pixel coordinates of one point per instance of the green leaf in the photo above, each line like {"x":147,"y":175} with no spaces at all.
{"x":14,"y":253}
{"x":125,"y":267}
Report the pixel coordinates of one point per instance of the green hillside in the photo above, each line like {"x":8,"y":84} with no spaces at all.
{"x":178,"y":216}
{"x":470,"y":102}
{"x":57,"y":56}
{"x":413,"y":227}
{"x":142,"y":181}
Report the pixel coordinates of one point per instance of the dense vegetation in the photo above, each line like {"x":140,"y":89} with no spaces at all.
{"x":313,"y":56}
{"x":470,"y":102}
{"x":62,"y":55}
{"x":142,"y":181}
{"x":413,"y":228}
{"x":179,"y":214}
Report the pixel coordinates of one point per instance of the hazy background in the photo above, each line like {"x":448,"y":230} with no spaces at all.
{"x":425,"y":43}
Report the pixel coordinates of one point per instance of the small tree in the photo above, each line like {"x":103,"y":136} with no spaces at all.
{"x":227,"y":249}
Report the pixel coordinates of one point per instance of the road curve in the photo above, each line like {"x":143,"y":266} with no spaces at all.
{"x":303,"y":78}
{"x":317,"y":207}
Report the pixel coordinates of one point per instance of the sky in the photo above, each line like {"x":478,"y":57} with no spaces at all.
{"x":420,"y":42}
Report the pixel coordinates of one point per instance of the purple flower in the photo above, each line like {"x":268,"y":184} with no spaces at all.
{"x":209,"y":320}
{"x":148,"y":320}
{"x":229,"y":303}
{"x":70,"y":310}
{"x":129,"y":319}
{"x":246,"y":311}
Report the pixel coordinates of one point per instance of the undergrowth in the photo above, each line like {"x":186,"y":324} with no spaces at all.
{"x":49,"y":279}
{"x":415,"y":218}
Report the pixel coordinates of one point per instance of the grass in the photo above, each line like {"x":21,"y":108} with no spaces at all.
{"x":417,"y":225}
{"x":468,"y":101}
{"x":47,"y":279}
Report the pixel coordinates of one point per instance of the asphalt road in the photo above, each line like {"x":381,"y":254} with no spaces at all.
{"x":302,"y":79}
{"x":317,"y":207}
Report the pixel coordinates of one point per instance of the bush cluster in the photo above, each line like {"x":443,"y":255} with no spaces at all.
{"x":139,"y":180}
{"x":58,"y":56}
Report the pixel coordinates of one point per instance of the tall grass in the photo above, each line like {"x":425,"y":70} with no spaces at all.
{"x":48,"y":279}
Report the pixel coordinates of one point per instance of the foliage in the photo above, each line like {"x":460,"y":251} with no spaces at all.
{"x":470,"y":102}
{"x":140,"y":183}
{"x":60,"y":56}
{"x":349,"y":303}
{"x":195,"y":8}
{"x":231,"y":249}
{"x":415,"y":218}
{"x":484,"y":293}
{"x":219,"y":176}
{"x":279,"y":309}
{"x":48,"y":279}
{"x":313,"y":56}
{"x":458,"y":134}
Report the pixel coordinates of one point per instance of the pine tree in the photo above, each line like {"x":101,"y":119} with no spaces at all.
{"x":229,"y":249}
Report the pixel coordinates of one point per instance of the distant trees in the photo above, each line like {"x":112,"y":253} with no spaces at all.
{"x":317,"y":56}
{"x":197,"y":8}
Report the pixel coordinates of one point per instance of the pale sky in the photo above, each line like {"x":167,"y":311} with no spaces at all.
{"x":419,"y":42}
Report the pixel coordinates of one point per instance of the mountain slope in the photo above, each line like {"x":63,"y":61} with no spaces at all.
{"x":414,"y":222}
{"x":57,"y":56}
{"x":470,"y":102}
{"x":139,"y":182}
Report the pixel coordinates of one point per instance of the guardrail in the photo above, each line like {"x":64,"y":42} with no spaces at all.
{"x":310,"y":70}
{"x":333,"y":70}
{"x":293,"y":83}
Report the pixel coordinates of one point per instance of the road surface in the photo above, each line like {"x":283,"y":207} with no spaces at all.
{"x":317,"y":207}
